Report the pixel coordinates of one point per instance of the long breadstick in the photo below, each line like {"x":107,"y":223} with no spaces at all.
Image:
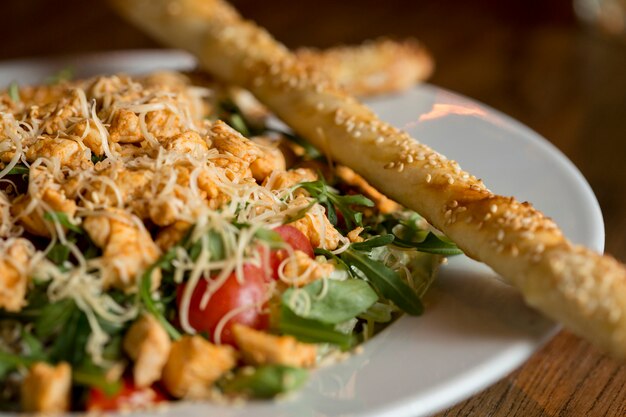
{"x":582,"y":289}
{"x":374,"y":67}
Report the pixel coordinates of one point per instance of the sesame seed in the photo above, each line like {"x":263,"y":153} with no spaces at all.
{"x":400,"y":167}
{"x":380,"y":139}
{"x":500,"y":236}
{"x":493,"y":208}
{"x":409,"y":158}
{"x":487,"y":216}
{"x":428,"y":178}
{"x":454,"y":203}
{"x":389,"y":165}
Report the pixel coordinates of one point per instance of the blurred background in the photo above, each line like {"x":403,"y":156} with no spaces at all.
{"x":534,"y":60}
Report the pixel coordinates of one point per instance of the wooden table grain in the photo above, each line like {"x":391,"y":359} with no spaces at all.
{"x":530,"y":59}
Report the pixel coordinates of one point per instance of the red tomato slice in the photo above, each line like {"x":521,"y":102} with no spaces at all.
{"x":129,"y":397}
{"x":294,"y":238}
{"x":231,"y":295}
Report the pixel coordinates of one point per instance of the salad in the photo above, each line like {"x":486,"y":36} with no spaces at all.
{"x":161,"y":240}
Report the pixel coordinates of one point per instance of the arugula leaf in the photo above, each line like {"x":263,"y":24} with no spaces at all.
{"x":310,"y":151}
{"x":214,"y":244}
{"x":330,"y":198}
{"x":95,"y":158}
{"x":64,"y":74}
{"x":61,"y":217}
{"x":14,"y":92}
{"x":437,"y":245}
{"x":33,"y":345}
{"x":266,"y":381}
{"x":342,"y":300}
{"x":53,"y":317}
{"x":145,"y":293}
{"x":312,"y":331}
{"x":378,"y":312}
{"x":70,"y":343}
{"x":59,"y":254}
{"x":385,"y":280}
{"x":329,"y":255}
{"x":19,"y":169}
{"x":237,"y":122}
{"x":10,"y":361}
{"x":273,"y":238}
{"x":92,"y":376}
{"x":374,"y":242}
{"x":234,"y":117}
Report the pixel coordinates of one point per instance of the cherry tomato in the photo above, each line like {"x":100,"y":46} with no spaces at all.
{"x":294,"y":238}
{"x":229,"y":296}
{"x":129,"y":397}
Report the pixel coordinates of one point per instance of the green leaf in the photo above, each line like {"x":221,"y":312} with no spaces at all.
{"x":65,"y":74}
{"x":70,"y":343}
{"x":273,"y":238}
{"x":14,"y":92}
{"x":437,"y":245}
{"x":266,"y":381}
{"x":19,"y":169}
{"x":54,"y":317}
{"x":63,"y":220}
{"x":342,"y":300}
{"x":33,"y":345}
{"x":310,"y":151}
{"x":329,"y":255}
{"x":312,"y":331}
{"x":95,"y":158}
{"x":145,"y":293}
{"x":374,"y":242}
{"x":59,"y":254}
{"x":237,"y":122}
{"x":10,"y":361}
{"x":378,"y":312}
{"x":214,"y":244}
{"x":90,"y":375}
{"x":385,"y":280}
{"x":331,"y":199}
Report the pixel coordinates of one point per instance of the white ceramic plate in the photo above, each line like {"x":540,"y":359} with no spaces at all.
{"x":475,"y":329}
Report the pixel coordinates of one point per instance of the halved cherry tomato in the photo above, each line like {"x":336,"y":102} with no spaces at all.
{"x":231,"y":295}
{"x":294,"y":238}
{"x":129,"y":397}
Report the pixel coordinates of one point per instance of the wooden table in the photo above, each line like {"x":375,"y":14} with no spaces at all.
{"x":530,"y":59}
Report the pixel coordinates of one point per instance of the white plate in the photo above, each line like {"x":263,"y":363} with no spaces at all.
{"x":475,"y":329}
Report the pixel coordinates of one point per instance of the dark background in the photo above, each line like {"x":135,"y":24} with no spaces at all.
{"x":530,"y":59}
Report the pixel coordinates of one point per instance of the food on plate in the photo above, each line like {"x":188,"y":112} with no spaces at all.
{"x":582,"y":289}
{"x":374,"y":67}
{"x":159,"y":240}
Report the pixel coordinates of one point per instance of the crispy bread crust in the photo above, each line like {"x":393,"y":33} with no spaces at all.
{"x":584,"y":290}
{"x":374,"y":67}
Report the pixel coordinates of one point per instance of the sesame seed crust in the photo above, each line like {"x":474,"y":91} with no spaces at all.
{"x":584,"y":290}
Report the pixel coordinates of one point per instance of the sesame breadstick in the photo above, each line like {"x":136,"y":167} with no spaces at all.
{"x":374,"y":67}
{"x":582,"y":289}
